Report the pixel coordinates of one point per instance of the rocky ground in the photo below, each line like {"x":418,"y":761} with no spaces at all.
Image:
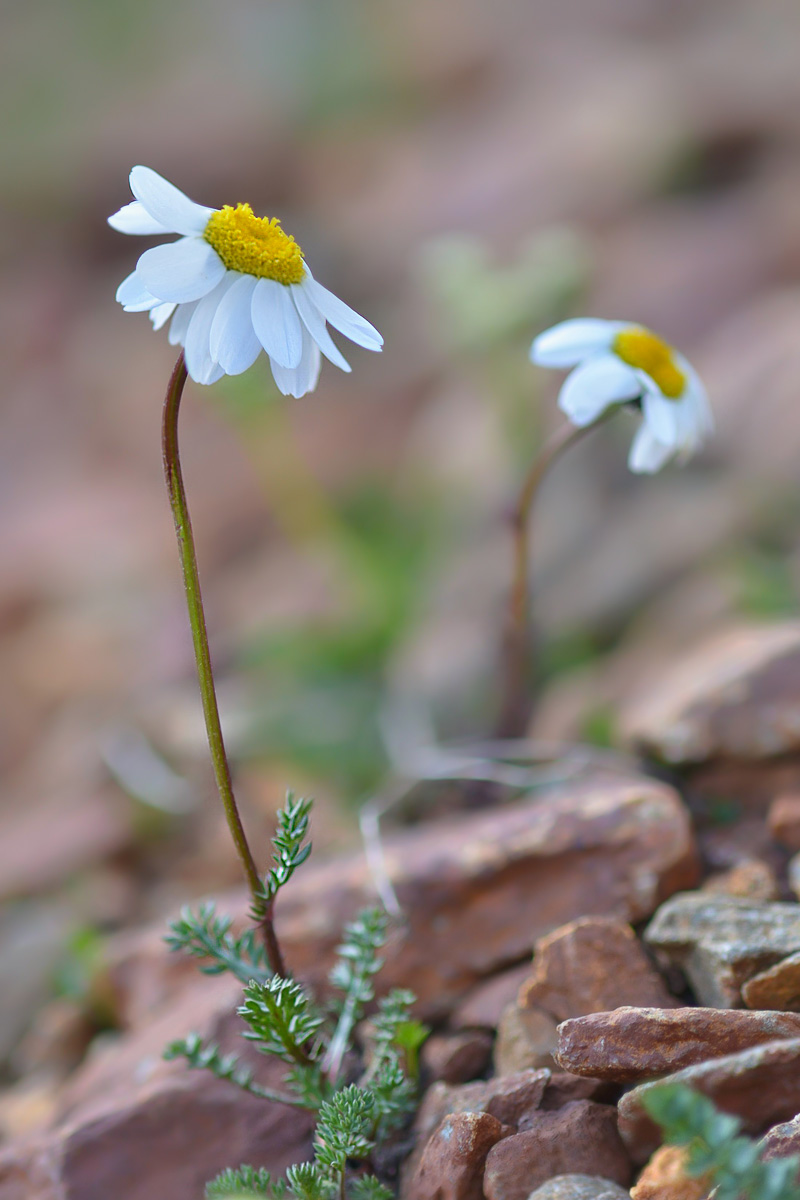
{"x":569,"y":946}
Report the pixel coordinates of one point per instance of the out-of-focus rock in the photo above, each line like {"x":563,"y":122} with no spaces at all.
{"x":44,"y":843}
{"x":592,"y":965}
{"x":632,"y":1044}
{"x":452,"y":1163}
{"x":778,"y":987}
{"x":457,"y":1057}
{"x":793,"y":874}
{"x":579,"y":1187}
{"x":761,"y":1086}
{"x":664,"y":1178}
{"x":184,"y":1129}
{"x":737,"y":696}
{"x":483,"y":1007}
{"x":477,"y":891}
{"x":32,"y":940}
{"x":581,"y":1137}
{"x":525,"y":1038}
{"x":752,"y":879}
{"x":721,"y":941}
{"x":783,"y":820}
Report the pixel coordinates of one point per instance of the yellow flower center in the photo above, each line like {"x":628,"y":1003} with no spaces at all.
{"x":254,"y":245}
{"x":642,"y":349}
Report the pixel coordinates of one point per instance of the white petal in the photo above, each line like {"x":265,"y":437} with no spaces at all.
{"x":304,"y":376}
{"x":184,"y":270}
{"x":134,"y":218}
{"x":660,"y":413}
{"x":180,"y":323}
{"x":166,"y":204}
{"x":596,"y":384}
{"x":233,"y":342}
{"x":134,"y":296}
{"x":341,"y":316}
{"x":314,"y":322}
{"x":697,"y":397}
{"x":199,"y":361}
{"x":277,"y":323}
{"x":570,"y":342}
{"x":646,"y":454}
{"x":161,"y":314}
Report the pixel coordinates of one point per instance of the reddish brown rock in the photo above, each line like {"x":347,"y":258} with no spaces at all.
{"x":783,"y":820}
{"x":664,"y":1178}
{"x":761,"y":1086}
{"x":592,"y":965}
{"x":579,"y":1187}
{"x":526,"y":1038}
{"x":632,"y":1044}
{"x":752,"y":879}
{"x":457,"y":1057}
{"x":782,"y":1140}
{"x":452,"y":1163}
{"x":485,"y":1004}
{"x":562,"y":1088}
{"x":778,"y":987}
{"x":722,"y":941}
{"x":737,"y":696}
{"x":478,"y":890}
{"x":581,"y":1138}
{"x":508,"y":1099}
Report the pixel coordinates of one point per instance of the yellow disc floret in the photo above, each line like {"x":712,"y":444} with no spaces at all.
{"x":254,"y":245}
{"x":642,"y":349}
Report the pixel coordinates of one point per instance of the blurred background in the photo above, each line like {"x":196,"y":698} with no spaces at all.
{"x":465,"y":175}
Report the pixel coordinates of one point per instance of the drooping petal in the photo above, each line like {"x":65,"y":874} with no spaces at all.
{"x":232,"y":341}
{"x":314,"y":322}
{"x":277,"y":323}
{"x":200,"y":362}
{"x":167,"y":204}
{"x":180,"y":323}
{"x":660,"y":413}
{"x":697,"y":398}
{"x":596,"y":384}
{"x":647,"y":455}
{"x":303,"y":378}
{"x":134,"y":296}
{"x":161,"y":314}
{"x":341,"y":316}
{"x":180,"y":271}
{"x":570,"y":342}
{"x":134,"y":218}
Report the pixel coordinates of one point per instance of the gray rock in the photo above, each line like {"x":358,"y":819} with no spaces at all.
{"x":722,"y":941}
{"x":579,"y":1187}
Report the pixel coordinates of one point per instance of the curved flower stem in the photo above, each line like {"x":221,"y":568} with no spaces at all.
{"x":262,"y":910}
{"x":516,"y":653}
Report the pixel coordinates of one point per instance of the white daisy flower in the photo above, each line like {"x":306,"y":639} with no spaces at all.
{"x":619,"y":363}
{"x":233,"y":284}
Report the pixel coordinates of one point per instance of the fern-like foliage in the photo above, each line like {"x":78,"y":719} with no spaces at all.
{"x":206,"y":1057}
{"x":243,"y":1184}
{"x":343,"y":1130}
{"x":716,"y":1149}
{"x":207,"y":936}
{"x":281,"y":1019}
{"x":288,"y":851}
{"x":368,"y":1187}
{"x":357,"y":962}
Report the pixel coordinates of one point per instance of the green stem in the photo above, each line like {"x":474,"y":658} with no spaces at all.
{"x":516,"y":654}
{"x":205,"y":675}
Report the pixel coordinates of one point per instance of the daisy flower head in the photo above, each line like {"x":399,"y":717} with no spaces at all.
{"x":619,"y":363}
{"x":232,"y":285}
